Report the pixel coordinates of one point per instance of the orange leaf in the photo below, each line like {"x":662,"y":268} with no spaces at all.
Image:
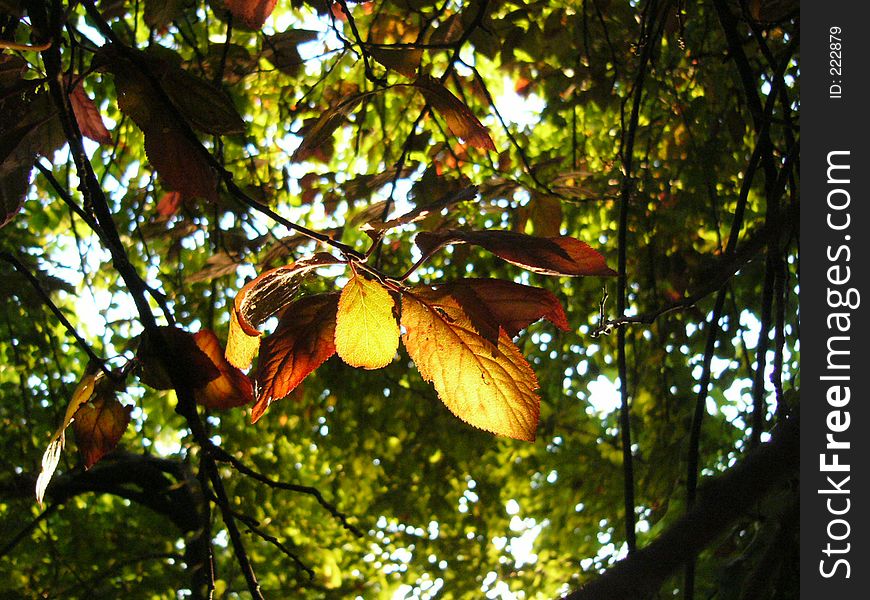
{"x":99,"y":425}
{"x":232,"y":388}
{"x":489,"y":386}
{"x":303,"y":340}
{"x":88,"y":116}
{"x":263,"y":297}
{"x":180,"y":346}
{"x":169,"y":204}
{"x":251,"y":13}
{"x":460,"y":120}
{"x":494,"y":303}
{"x":545,"y":213}
{"x":561,"y":255}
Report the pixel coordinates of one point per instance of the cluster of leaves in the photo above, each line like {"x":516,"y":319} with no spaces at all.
{"x":230,"y":143}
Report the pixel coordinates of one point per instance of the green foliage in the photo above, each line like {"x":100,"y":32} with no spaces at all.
{"x":444,"y":510}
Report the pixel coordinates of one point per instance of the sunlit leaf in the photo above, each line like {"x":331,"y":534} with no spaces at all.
{"x":561,"y":255}
{"x":460,"y":120}
{"x":83,"y":393}
{"x":243,"y":342}
{"x":303,"y":340}
{"x":263,"y":297}
{"x":99,"y":425}
{"x":494,"y":303}
{"x":366,"y":331}
{"x":491,"y":387}
{"x":232,"y":387}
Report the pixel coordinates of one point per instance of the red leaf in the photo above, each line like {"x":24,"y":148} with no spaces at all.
{"x":88,"y":116}
{"x":178,"y":160}
{"x":263,"y":297}
{"x":303,"y":340}
{"x":179,"y":163}
{"x":460,"y":120}
{"x":251,"y":13}
{"x":561,"y":255}
{"x":99,"y":426}
{"x":232,"y":387}
{"x":494,"y":303}
{"x":169,"y":204}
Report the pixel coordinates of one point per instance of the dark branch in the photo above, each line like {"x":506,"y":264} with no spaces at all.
{"x":721,"y":501}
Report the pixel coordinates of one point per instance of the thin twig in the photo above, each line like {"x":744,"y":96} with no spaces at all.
{"x":46,"y":299}
{"x":224,"y":456}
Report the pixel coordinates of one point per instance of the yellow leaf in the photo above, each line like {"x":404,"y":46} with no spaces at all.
{"x":242,"y":346}
{"x":84,"y":391}
{"x":490,"y":387}
{"x":366,"y":332}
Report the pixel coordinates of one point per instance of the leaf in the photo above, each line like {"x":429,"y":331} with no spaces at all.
{"x":179,"y":163}
{"x":232,"y":387}
{"x":217,"y":265}
{"x":460,"y":120}
{"x":178,"y":160}
{"x":425,"y":209}
{"x":13,"y":191}
{"x":366,"y":331}
{"x":169,"y":204}
{"x":281,"y":49}
{"x":251,"y":13}
{"x":405,"y":61}
{"x":159,"y":14}
{"x":206,"y":107}
{"x":263,"y":297}
{"x":495,"y":303}
{"x":88,"y":116}
{"x":545,"y":213}
{"x":325,"y":126}
{"x":303,"y":340}
{"x":12,"y":67}
{"x":242,"y":343}
{"x":99,"y":426}
{"x":488,"y":386}
{"x":177,"y":345}
{"x":83,"y":393}
{"x":561,"y":255}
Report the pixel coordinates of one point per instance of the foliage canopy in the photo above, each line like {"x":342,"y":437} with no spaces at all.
{"x":213,"y":211}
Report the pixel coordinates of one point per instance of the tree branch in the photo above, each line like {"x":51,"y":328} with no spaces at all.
{"x":721,"y":501}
